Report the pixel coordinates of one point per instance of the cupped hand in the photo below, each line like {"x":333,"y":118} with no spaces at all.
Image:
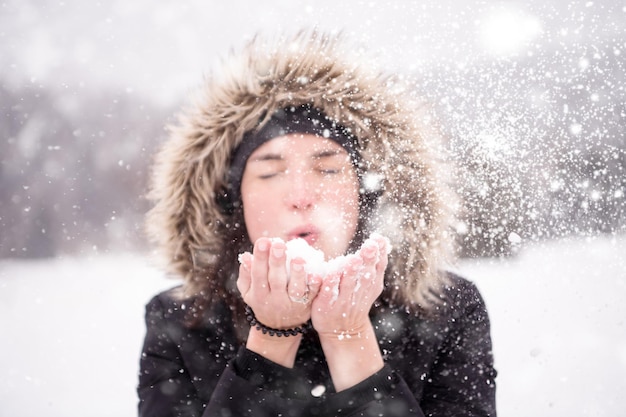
{"x":277,"y":300}
{"x":341,"y":309}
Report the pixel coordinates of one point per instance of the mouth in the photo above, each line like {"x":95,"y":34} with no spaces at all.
{"x":309,"y":233}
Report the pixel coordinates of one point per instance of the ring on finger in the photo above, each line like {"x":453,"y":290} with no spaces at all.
{"x":303,"y":300}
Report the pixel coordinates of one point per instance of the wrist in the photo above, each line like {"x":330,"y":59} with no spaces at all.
{"x":280,"y":350}
{"x":293,"y":331}
{"x":352,"y":356}
{"x":353,"y":333}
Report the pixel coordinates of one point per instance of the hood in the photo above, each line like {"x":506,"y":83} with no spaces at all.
{"x":397,"y":148}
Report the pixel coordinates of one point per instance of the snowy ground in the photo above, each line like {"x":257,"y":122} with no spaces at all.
{"x":558,"y":315}
{"x":72,"y":330}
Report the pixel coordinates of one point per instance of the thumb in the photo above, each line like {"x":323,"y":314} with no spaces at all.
{"x":244,"y":280}
{"x":314,"y":283}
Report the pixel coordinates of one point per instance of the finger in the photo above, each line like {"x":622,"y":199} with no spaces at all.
{"x":381,"y":266}
{"x":371,"y":277}
{"x":314,"y":283}
{"x":243,"y":281}
{"x":277,"y":273}
{"x":259,"y":269}
{"x":369,"y":252}
{"x":384,"y":248}
{"x":370,"y":255}
{"x":350,"y":281}
{"x":297,"y":285}
{"x":329,"y":289}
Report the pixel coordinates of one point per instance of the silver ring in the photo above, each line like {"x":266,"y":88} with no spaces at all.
{"x":303,"y":300}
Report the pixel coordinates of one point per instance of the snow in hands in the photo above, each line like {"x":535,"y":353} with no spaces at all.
{"x":315,"y":263}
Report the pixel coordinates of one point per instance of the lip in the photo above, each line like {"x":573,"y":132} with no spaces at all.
{"x":308,"y":232}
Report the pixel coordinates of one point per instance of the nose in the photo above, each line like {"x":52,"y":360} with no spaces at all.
{"x":301,"y":192}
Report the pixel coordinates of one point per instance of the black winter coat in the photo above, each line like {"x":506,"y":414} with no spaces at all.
{"x":438,"y":366}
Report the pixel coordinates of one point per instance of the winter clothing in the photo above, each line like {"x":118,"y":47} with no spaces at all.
{"x":440,"y":366}
{"x":432,"y":328}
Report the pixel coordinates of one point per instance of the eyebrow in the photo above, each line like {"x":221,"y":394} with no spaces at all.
{"x":327,"y":153}
{"x":267,"y":157}
{"x":270,"y":156}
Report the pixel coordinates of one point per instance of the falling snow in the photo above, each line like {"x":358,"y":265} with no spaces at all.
{"x":529,"y":98}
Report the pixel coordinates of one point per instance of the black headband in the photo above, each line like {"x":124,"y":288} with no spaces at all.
{"x":302,"y":119}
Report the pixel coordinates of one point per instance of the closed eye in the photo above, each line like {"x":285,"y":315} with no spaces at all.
{"x":331,"y":162}
{"x":271,"y":174}
{"x":267,"y":176}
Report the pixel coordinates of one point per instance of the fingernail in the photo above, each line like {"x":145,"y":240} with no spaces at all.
{"x":297,"y":267}
{"x":369,"y":251}
{"x":278,"y":252}
{"x":263,"y":245}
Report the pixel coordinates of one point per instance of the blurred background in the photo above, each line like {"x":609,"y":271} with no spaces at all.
{"x":530,"y":97}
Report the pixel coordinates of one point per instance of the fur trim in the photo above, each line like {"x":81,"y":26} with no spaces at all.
{"x":308,"y":68}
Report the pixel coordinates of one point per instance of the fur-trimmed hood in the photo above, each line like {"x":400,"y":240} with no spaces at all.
{"x":317,"y":70}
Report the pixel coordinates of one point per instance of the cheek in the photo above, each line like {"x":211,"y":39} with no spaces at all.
{"x":255,"y":214}
{"x":339,"y":219}
{"x":350,"y":212}
{"x":347,"y":195}
{"x":341,"y":208}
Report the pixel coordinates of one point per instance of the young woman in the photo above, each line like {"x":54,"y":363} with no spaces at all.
{"x":293,"y":140}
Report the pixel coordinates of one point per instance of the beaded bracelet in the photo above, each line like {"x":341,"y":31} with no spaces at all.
{"x":275,"y":332}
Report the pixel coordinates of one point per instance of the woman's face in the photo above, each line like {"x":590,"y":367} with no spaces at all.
{"x":302,"y":185}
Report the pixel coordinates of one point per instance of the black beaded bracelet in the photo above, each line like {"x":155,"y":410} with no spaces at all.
{"x":275,"y":332}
